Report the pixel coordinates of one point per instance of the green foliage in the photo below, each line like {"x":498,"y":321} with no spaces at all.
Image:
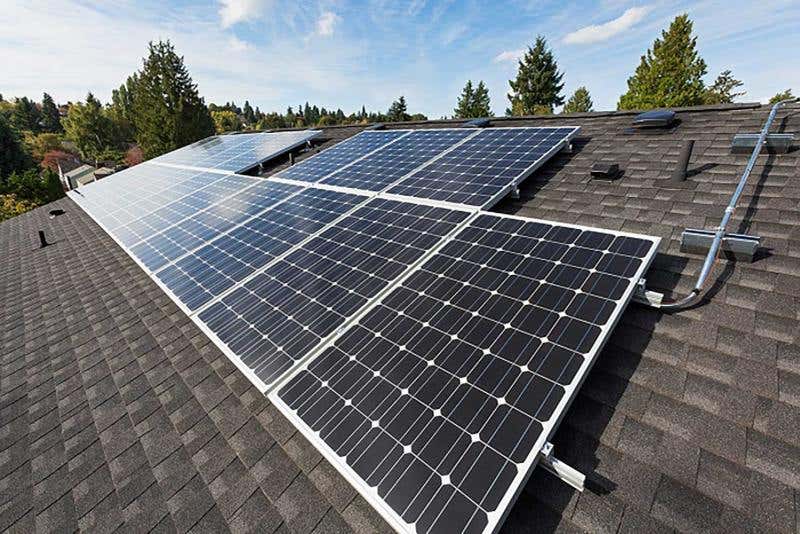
{"x":226,"y":121}
{"x":33,"y":187}
{"x":13,"y":156}
{"x":39,"y":144}
{"x":248,"y":113}
{"x":91,"y":129}
{"x":120,"y":109}
{"x":723,"y":89}
{"x":51,"y":119}
{"x":579,"y":102}
{"x":538,"y":84}
{"x":398,"y":111}
{"x":783,"y":95}
{"x":670,"y":74}
{"x":473,"y":102}
{"x":11,"y":206}
{"x":168,"y":111}
{"x":26,"y":115}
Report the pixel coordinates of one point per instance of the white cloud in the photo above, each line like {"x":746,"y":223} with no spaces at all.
{"x":234,"y":11}
{"x":326,"y":23}
{"x":601,"y":32}
{"x":508,"y":55}
{"x":237,"y":45}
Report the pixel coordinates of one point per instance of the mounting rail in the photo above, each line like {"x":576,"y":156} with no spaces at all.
{"x":720,"y":232}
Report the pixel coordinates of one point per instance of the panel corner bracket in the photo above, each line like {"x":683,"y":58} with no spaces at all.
{"x":556,"y":467}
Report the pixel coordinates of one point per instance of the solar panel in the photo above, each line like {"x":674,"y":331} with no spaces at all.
{"x":480,"y":171}
{"x":328,"y":161}
{"x":127,"y":195}
{"x":276,"y":318}
{"x":393,"y":161}
{"x":236,"y":153}
{"x":436,"y":402}
{"x":183,"y":226}
{"x":207,"y":272}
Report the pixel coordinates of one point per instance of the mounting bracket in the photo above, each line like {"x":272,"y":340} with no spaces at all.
{"x":642,"y":295}
{"x":568,"y":474}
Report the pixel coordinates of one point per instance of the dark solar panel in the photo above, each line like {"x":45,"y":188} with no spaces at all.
{"x":394,"y":161}
{"x":236,"y":153}
{"x":333,"y":159}
{"x":220,"y":264}
{"x":274,"y":319}
{"x":484,"y":168}
{"x":437,"y":401}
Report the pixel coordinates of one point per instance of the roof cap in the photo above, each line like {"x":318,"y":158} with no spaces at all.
{"x":657,"y":118}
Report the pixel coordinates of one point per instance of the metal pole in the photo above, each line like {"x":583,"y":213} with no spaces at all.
{"x":713,"y":251}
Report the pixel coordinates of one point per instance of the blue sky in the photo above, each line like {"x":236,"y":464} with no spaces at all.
{"x":344,"y":54}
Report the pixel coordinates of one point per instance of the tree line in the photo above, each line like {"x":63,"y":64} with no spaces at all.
{"x":158,"y":109}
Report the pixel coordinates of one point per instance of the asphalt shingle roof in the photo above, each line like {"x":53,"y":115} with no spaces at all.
{"x":117,"y":411}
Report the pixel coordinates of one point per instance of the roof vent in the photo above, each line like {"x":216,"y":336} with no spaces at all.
{"x":476,"y":123}
{"x":657,"y":118}
{"x":605,"y":171}
{"x":376,"y":126}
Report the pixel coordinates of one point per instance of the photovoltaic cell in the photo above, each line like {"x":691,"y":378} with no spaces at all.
{"x":394,"y":161}
{"x":278,"y":316}
{"x":437,"y":401}
{"x":236,"y":153}
{"x":183,"y":225}
{"x":479,"y":171}
{"x":219,"y":265}
{"x":127,"y":195}
{"x":328,"y":161}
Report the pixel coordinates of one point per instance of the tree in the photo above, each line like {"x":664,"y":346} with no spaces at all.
{"x":722,"y":91}
{"x":579,"y":102}
{"x":55,"y":159}
{"x":248,"y":113}
{"x":538,"y":84}
{"x":51,"y":119}
{"x":226,"y":121}
{"x":120,"y":109}
{"x":13,"y":156}
{"x":473,"y":102}
{"x":168,"y":111}
{"x":783,"y":95}
{"x":34,"y":187}
{"x":670,"y":74}
{"x":92,"y":131}
{"x":398,"y":111}
{"x":133,"y":156}
{"x":39,"y":144}
{"x":26,"y":116}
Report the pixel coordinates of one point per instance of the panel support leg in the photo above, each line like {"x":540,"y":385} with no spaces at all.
{"x":568,"y":474}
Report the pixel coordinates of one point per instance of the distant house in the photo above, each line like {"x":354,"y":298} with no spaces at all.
{"x":83,"y":175}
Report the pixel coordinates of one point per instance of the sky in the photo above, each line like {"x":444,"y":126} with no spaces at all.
{"x":337,"y":53}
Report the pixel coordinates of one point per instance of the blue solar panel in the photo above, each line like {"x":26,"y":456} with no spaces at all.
{"x":236,"y":153}
{"x":210,"y":214}
{"x":222,"y":263}
{"x":332,"y":159}
{"x":479,"y":171}
{"x":278,"y":316}
{"x":394,"y":161}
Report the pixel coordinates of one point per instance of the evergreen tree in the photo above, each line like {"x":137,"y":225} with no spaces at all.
{"x":481,"y":102}
{"x":783,"y":95}
{"x":26,"y":116}
{"x":51,"y":120}
{"x":90,"y":129}
{"x":579,"y":102}
{"x":723,"y":90}
{"x":398,"y":111}
{"x":248,"y":113}
{"x":121,"y":110}
{"x":13,"y":156}
{"x":473,"y":102}
{"x":538,"y":84}
{"x":670,"y":74}
{"x":169,"y":112}
{"x":464,"y":106}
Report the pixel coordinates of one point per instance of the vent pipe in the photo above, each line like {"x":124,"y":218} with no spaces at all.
{"x":42,"y":239}
{"x":679,"y":174}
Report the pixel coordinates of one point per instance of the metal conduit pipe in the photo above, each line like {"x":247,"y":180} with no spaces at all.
{"x":713,"y":252}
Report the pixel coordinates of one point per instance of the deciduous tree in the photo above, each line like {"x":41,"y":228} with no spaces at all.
{"x":226,"y":121}
{"x":92,"y":131}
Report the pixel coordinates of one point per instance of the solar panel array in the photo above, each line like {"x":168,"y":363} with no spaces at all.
{"x":482,"y":170}
{"x":236,"y":153}
{"x":439,"y":399}
{"x":425,"y":347}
